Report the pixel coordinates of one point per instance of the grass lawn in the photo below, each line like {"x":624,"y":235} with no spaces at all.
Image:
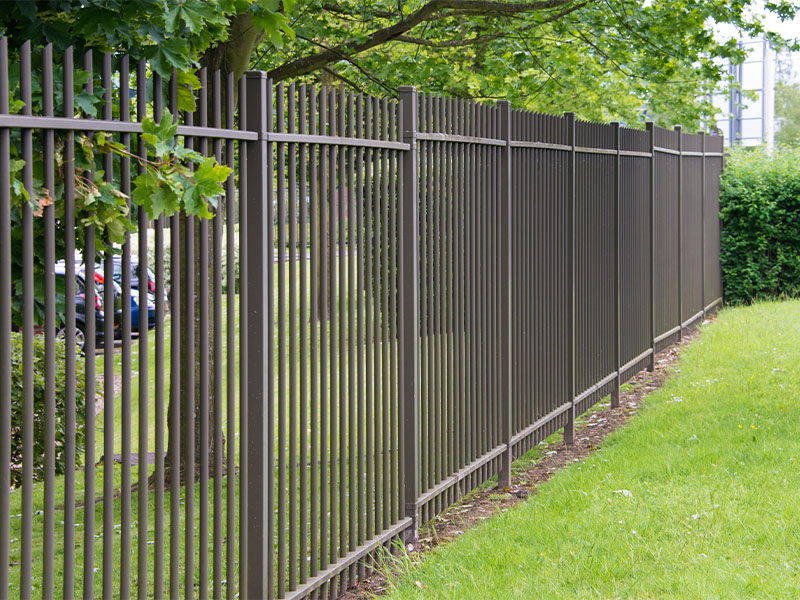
{"x":698,"y":497}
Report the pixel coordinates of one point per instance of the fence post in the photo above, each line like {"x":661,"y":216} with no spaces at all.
{"x":650,"y":127}
{"x":617,"y":307}
{"x":679,"y":129}
{"x":409,"y":311}
{"x":258,"y":330}
{"x":504,"y":235}
{"x":569,"y":428}
{"x":703,"y":224}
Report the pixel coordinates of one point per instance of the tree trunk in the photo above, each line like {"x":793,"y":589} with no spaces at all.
{"x":231,"y":56}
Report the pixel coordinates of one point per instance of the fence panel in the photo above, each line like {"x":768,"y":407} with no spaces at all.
{"x":595,"y":263}
{"x":386,"y":302}
{"x":635,"y":267}
{"x":712,"y":273}
{"x":459,"y":168}
{"x":692,"y":227}
{"x":666,"y":236}
{"x":541,"y":307}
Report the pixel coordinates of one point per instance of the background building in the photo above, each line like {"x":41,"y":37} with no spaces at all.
{"x":743,"y":118}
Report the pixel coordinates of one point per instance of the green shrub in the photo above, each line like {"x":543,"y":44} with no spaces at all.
{"x":17,"y":408}
{"x":760,"y":213}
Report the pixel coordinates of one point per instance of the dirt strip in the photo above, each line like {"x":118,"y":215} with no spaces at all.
{"x":485,"y":503}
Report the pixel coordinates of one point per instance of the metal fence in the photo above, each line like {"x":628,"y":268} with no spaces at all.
{"x":426,"y":289}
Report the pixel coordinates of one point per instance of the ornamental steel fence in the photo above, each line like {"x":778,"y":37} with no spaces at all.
{"x":391,"y":301}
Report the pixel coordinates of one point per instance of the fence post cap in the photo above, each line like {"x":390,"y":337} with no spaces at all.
{"x":407,"y":89}
{"x":255,"y":74}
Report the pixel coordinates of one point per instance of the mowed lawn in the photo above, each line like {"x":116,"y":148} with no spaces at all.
{"x":697,"y":497}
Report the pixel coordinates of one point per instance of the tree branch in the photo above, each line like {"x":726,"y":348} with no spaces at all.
{"x":450,"y":43}
{"x":431,"y":11}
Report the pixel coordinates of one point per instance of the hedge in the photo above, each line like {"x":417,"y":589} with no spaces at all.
{"x":39,"y":408}
{"x":760,"y":213}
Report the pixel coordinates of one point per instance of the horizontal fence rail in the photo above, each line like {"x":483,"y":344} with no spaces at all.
{"x":390,"y":301}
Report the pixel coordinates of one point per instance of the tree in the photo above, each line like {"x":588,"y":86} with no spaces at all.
{"x":787,"y":111}
{"x":610,"y":59}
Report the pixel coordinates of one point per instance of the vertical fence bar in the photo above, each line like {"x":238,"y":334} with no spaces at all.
{"x":385,"y":316}
{"x":259,"y":549}
{"x":230,"y":346}
{"x":244,"y":327}
{"x":5,"y":331}
{"x":615,"y":129}
{"x":506,"y":283}
{"x":189,"y":397}
{"x":314,"y":400}
{"x":280,"y":256}
{"x":333,"y":348}
{"x":158,"y":474}
{"x":305,"y":327}
{"x":26,"y":555}
{"x":323,"y":314}
{"x":48,"y":550}
{"x":220,"y":214}
{"x":360,"y":334}
{"x":175,"y":379}
{"x":108,"y":365}
{"x":353,"y":412}
{"x":569,"y":427}
{"x":125,"y":281}
{"x":89,"y":352}
{"x":144,"y":392}
{"x":203,"y":348}
{"x":679,"y":130}
{"x":409,"y":310}
{"x":368,"y":344}
{"x":650,"y":126}
{"x":294,"y":366}
{"x":5,"y":327}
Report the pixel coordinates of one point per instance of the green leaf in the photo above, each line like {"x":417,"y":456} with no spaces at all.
{"x":87,"y":103}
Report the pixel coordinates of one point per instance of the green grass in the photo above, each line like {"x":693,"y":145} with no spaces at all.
{"x":696,"y":498}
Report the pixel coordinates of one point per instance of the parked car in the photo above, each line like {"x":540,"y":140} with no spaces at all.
{"x":100,"y":312}
{"x":80,"y":308}
{"x":151,"y":305}
{"x":151,"y":311}
{"x":117,"y":261}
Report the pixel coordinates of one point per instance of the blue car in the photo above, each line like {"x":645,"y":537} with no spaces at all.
{"x":151,"y":310}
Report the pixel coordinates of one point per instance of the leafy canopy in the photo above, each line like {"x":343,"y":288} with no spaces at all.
{"x":605,"y":59}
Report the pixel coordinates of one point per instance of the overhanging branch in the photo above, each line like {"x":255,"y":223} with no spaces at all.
{"x":431,"y":11}
{"x":450,"y":43}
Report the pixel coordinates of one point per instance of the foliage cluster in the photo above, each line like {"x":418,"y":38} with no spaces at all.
{"x":39,"y":408}
{"x":610,"y":60}
{"x":172,"y":177}
{"x":760,"y":212}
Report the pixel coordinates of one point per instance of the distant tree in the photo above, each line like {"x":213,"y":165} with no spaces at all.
{"x":787,"y":113}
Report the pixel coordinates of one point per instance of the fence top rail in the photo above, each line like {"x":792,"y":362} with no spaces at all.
{"x":111,"y":126}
